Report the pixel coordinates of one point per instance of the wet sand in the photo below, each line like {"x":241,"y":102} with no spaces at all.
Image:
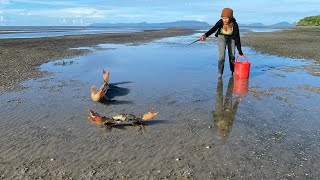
{"x":298,"y":42}
{"x":203,"y":131}
{"x":19,"y":58}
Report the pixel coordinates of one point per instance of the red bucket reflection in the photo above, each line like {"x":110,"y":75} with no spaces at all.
{"x":240,"y":88}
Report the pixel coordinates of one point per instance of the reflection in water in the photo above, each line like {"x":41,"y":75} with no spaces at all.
{"x":240,"y":88}
{"x":224,"y":112}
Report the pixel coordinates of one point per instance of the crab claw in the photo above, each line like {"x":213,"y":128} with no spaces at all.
{"x":95,"y":117}
{"x":96,"y":96}
{"x":106,"y":75}
{"x":149,"y":115}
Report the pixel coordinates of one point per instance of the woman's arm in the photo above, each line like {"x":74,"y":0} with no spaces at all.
{"x":237,"y":38}
{"x":214,"y":28}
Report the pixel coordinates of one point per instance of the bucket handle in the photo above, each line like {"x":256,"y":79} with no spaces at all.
{"x":242,"y":56}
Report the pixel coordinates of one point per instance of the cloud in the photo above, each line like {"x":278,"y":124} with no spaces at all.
{"x":24,"y":13}
{"x":72,"y":12}
{"x":83,"y":12}
{"x":196,"y":17}
{"x":47,"y":3}
{"x":61,"y":13}
{"x":63,"y":20}
{"x":77,"y":22}
{"x":2,"y":19}
{"x":14,"y":11}
{"x":4,"y":2}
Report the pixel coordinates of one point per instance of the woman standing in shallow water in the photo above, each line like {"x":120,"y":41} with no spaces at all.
{"x":228,"y":36}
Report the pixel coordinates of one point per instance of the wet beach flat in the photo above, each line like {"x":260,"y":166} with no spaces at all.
{"x":263,"y":128}
{"x":296,"y":42}
{"x":20,"y":57}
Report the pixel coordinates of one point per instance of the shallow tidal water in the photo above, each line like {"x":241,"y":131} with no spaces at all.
{"x":204,"y":130}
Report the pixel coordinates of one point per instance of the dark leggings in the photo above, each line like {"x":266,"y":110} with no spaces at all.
{"x":223,"y":42}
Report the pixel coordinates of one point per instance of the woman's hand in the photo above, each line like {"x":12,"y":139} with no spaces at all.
{"x":203,"y":37}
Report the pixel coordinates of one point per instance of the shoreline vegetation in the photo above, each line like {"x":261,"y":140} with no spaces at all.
{"x":20,"y":58}
{"x":310,"y":21}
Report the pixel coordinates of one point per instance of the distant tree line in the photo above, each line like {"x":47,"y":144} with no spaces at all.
{"x":310,"y":21}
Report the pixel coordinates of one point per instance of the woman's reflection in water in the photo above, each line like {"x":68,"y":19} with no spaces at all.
{"x":224,"y":112}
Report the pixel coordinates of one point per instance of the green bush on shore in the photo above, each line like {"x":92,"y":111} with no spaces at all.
{"x":310,"y":21}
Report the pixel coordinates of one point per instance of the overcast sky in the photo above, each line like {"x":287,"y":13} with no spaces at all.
{"x":85,"y":12}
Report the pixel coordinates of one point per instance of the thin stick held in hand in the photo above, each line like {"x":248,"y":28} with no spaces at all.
{"x":195,"y":41}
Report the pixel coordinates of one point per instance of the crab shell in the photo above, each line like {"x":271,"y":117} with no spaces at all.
{"x":124,"y":117}
{"x":104,"y":88}
{"x":96,"y":96}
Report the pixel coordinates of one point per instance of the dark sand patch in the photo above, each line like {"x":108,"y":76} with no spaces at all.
{"x":278,"y":75}
{"x":258,"y":94}
{"x":64,"y":63}
{"x":313,"y":69}
{"x":310,"y":88}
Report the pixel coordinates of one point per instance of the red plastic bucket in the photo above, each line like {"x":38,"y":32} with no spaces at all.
{"x":242,"y":69}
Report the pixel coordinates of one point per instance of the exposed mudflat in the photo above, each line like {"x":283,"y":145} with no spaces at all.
{"x":265,"y":128}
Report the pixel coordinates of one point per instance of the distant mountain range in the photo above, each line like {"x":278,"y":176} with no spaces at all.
{"x":183,"y":24}
{"x":166,"y":24}
{"x":280,"y":24}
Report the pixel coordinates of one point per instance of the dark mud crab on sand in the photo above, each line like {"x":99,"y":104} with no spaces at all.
{"x":121,"y":119}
